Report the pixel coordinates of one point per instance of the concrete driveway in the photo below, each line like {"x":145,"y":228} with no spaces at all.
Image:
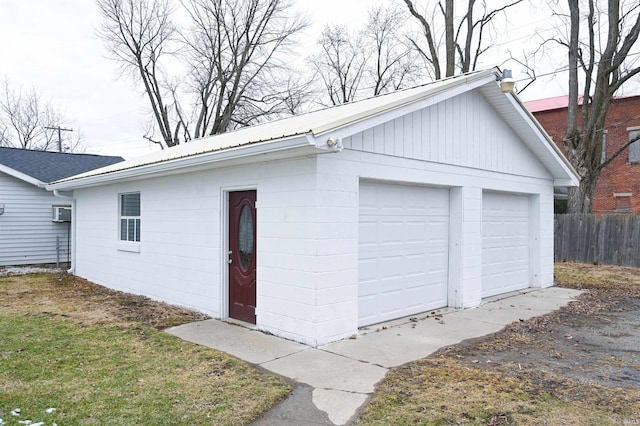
{"x":334,"y":381}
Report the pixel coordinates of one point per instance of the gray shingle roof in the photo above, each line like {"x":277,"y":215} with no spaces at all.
{"x":48,"y":166}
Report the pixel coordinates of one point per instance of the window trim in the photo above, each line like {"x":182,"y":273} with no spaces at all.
{"x":604,"y":146}
{"x":623,"y":195}
{"x":635,"y":146}
{"x":127,"y":242}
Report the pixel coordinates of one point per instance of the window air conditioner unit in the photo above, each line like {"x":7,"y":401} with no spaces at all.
{"x":61,"y":214}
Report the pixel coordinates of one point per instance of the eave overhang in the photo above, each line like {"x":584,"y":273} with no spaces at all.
{"x":295,"y":146}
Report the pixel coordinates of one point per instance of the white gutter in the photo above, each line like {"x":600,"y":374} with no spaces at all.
{"x":322,"y":145}
{"x":19,"y":175}
{"x":204,"y":159}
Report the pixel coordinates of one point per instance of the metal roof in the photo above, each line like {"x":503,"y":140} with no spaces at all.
{"x":314,"y":124}
{"x":310,"y":130}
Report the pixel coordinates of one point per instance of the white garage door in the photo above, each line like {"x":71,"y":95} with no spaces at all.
{"x":505,"y":243}
{"x":403,"y":246}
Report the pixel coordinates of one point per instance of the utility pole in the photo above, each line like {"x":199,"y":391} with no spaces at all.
{"x":60,"y":130}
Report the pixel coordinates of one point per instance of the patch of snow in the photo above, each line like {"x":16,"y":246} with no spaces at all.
{"x":16,"y":413}
{"x":22,"y":270}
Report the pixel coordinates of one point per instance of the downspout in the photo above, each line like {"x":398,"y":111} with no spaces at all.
{"x":57,"y":193}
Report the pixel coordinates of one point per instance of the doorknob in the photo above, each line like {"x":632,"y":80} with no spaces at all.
{"x":229,"y":260}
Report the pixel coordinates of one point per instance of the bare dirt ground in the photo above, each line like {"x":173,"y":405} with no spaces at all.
{"x":594,"y":342}
{"x":600,"y":348}
{"x":576,"y":366}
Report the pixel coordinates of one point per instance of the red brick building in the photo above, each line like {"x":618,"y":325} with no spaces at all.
{"x":618,"y":189}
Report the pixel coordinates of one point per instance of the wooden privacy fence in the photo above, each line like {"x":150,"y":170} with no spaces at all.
{"x":612,"y":240}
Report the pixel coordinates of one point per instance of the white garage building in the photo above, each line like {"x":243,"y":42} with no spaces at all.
{"x":315,"y":225}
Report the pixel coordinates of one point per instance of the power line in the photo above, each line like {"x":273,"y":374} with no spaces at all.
{"x":60,"y":130}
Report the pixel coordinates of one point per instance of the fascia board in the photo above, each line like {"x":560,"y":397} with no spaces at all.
{"x":192,"y":162}
{"x":552,"y":152}
{"x":23,"y":177}
{"x":563,"y":182}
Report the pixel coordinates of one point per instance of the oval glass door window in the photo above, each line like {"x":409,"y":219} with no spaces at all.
{"x":245,"y":237}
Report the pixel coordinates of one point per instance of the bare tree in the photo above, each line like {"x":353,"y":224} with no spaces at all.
{"x":392,"y":64}
{"x":374,"y":60}
{"x":236,"y":61}
{"x":465,"y":36}
{"x":138,"y":35}
{"x":340,"y":64}
{"x":24,"y":116}
{"x":4,"y":135}
{"x":296,"y":93}
{"x":598,"y":70}
{"x":231,"y":52}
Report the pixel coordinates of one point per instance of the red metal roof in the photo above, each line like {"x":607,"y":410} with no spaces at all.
{"x":558,"y":102}
{"x":547,"y":104}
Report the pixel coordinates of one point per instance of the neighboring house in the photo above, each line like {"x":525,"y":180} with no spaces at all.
{"x":34,"y":222}
{"x":618,"y":188}
{"x":315,"y":225}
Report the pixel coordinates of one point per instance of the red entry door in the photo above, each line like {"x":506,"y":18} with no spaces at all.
{"x":242,"y":256}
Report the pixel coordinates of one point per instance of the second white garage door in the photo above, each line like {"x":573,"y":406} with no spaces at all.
{"x":403,"y":246}
{"x":505,"y":243}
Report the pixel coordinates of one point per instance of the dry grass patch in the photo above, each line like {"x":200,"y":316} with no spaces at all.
{"x":75,"y":298}
{"x":616,"y":280}
{"x":444,"y":391}
{"x":97,"y":357}
{"x":576,"y":366}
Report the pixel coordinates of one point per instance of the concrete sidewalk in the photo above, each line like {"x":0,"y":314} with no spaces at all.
{"x":338,"y":378}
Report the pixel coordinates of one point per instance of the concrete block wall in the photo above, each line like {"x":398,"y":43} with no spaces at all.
{"x":465,"y":258}
{"x":466,"y":186}
{"x":178,"y":256}
{"x":181,"y":259}
{"x":337,"y":250}
{"x":307,"y":229}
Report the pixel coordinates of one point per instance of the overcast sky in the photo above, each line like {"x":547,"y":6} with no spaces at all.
{"x":52,"y":44}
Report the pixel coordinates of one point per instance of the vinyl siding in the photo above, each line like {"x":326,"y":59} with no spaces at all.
{"x":27,"y":233}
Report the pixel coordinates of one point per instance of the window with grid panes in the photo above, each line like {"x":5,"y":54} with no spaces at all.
{"x":130,"y":216}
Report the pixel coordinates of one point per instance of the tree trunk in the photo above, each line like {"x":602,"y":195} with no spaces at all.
{"x":581,"y":197}
{"x":449,"y":39}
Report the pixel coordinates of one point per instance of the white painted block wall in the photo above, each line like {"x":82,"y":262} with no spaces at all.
{"x":307,"y":230}
{"x":181,"y":255}
{"x":466,"y":225}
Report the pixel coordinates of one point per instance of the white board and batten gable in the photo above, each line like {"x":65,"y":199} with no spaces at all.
{"x":435,"y":196}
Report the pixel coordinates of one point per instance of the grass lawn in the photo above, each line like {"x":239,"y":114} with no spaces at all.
{"x":577,"y":366}
{"x":99,"y":358}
